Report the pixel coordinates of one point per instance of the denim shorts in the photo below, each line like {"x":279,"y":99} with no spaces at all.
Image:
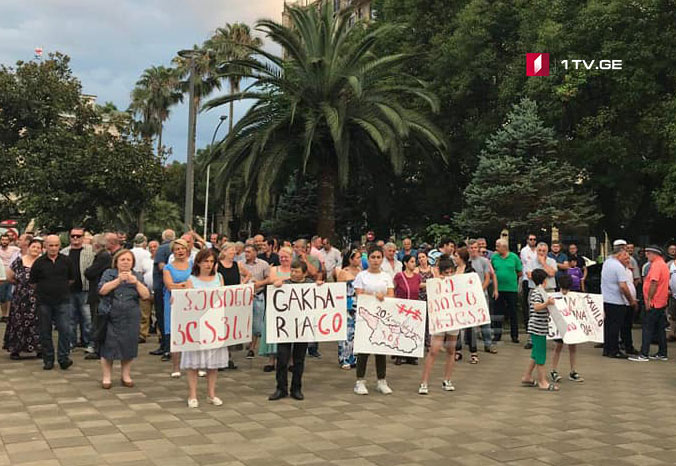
{"x":5,"y":292}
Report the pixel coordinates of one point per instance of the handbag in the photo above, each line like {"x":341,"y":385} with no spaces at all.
{"x":102,"y":318}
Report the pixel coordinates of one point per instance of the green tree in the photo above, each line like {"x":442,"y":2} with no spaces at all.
{"x":330,"y":108}
{"x":520,"y":182}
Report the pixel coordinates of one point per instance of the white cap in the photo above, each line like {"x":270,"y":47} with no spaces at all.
{"x":619,"y":242}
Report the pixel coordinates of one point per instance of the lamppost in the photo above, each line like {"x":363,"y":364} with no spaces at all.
{"x":192,"y":116}
{"x":206,"y":194}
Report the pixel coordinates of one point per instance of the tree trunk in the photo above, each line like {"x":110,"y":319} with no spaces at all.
{"x":326,"y":202}
{"x":159,"y":142}
{"x":141,"y":220}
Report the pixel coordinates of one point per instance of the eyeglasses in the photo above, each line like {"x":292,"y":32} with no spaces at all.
{"x":76,"y":236}
{"x":531,"y":239}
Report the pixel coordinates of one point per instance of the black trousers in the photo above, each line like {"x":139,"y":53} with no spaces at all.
{"x":654,"y":325}
{"x":625,"y":330}
{"x":615,"y":315}
{"x":159,"y":317}
{"x":381,"y":365}
{"x":525,"y":307}
{"x":505,"y":305}
{"x":284,"y":352}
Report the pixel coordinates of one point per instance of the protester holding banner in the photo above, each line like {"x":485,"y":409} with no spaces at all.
{"x":447,"y":339}
{"x":538,"y":324}
{"x":373,"y":281}
{"x":121,"y":289}
{"x":349,"y":271}
{"x":407,"y":286}
{"x":260,"y":271}
{"x":426,"y":272}
{"x":298,"y":274}
{"x":204,"y":276}
{"x":565,"y":285}
{"x":175,"y":276}
{"x":463,"y":265}
{"x":484,"y":269}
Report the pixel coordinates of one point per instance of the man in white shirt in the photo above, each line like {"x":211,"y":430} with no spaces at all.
{"x":331,"y":258}
{"x":391,"y":265}
{"x":7,"y":250}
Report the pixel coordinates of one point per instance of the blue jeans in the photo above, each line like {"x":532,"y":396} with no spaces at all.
{"x":80,"y":314}
{"x":654,"y":325}
{"x":58,"y":314}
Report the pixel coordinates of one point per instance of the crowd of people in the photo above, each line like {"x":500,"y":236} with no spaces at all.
{"x":107,"y":295}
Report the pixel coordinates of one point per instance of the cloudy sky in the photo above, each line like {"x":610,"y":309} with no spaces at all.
{"x":111,"y":42}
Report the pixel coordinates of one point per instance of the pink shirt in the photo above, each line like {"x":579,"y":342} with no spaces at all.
{"x":407,"y":287}
{"x":659,"y":272}
{"x":7,"y":253}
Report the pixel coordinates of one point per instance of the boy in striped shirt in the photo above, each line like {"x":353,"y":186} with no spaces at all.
{"x":538,"y":300}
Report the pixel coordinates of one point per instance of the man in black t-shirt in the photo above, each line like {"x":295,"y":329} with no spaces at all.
{"x":52,"y":275}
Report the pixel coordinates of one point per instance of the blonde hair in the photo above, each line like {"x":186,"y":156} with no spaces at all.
{"x":225,"y":247}
{"x":287,"y":250}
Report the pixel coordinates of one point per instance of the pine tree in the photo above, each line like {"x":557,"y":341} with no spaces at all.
{"x":521,"y":183}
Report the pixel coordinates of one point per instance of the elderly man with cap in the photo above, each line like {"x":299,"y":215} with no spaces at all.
{"x":656,"y":295}
{"x":143,"y":264}
{"x":617,"y":299}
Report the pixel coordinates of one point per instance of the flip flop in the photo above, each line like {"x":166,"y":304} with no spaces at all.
{"x":550,"y":388}
{"x":532,"y":383}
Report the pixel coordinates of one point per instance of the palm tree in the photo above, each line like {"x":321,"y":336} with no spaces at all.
{"x":152,"y":99}
{"x":328,"y":106}
{"x":233,"y":42}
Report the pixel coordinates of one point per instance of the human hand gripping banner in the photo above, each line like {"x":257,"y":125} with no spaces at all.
{"x":306,"y":312}
{"x":204,"y":319}
{"x":393,"y":326}
{"x":456,"y":302}
{"x":576,"y":317}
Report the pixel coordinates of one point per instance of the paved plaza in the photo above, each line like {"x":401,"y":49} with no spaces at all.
{"x":622,"y":414}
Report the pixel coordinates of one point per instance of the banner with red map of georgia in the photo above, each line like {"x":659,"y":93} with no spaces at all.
{"x":393,"y":326}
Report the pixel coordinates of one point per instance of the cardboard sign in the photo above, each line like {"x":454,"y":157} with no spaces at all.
{"x":211,"y":318}
{"x":456,"y":302}
{"x":306,"y":312}
{"x":394,"y":326}
{"x":576,"y":317}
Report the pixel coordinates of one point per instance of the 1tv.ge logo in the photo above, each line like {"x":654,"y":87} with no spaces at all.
{"x":537,"y":64}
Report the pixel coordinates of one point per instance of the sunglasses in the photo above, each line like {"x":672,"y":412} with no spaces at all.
{"x":531,"y":239}
{"x":76,"y":236}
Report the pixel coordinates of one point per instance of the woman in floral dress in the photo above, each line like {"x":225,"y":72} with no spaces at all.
{"x":22,"y":334}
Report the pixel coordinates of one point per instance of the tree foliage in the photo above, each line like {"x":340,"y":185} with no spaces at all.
{"x":521,"y":182}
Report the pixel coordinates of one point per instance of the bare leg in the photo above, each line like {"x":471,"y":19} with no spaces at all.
{"x":5,"y":309}
{"x":254,"y":344}
{"x":572,"y":352}
{"x":541,"y":376}
{"x":528,"y":375}
{"x":126,"y":370}
{"x":212,"y":375}
{"x":435,"y":346}
{"x":450,"y":358}
{"x":175,"y":362}
{"x":106,"y":370}
{"x":557,"y":354}
{"x":192,"y":384}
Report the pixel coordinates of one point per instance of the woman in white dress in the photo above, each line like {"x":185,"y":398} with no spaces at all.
{"x":204,"y":276}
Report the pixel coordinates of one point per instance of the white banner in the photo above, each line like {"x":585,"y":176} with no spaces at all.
{"x":394,"y":327}
{"x":456,"y":302}
{"x":204,"y":319}
{"x":306,"y":312}
{"x":576,"y":317}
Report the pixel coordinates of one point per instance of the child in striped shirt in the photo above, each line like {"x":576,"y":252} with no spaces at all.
{"x":538,"y":300}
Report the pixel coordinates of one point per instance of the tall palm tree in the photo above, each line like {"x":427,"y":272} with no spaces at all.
{"x":206,"y":75}
{"x":154,"y":94}
{"x":328,"y":106}
{"x":233,"y":42}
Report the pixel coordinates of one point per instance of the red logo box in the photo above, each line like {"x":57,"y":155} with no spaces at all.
{"x":537,"y":64}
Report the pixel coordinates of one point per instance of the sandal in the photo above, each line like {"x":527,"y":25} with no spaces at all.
{"x":550,"y":388}
{"x":529,"y":383}
{"x":474,"y":359}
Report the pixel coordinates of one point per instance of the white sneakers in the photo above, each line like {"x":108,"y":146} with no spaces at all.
{"x":423,"y":390}
{"x":216,"y":401}
{"x":447,"y":386}
{"x":175,"y":375}
{"x":201,"y":373}
{"x":360,"y":388}
{"x":193,"y":403}
{"x":382,"y":387}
